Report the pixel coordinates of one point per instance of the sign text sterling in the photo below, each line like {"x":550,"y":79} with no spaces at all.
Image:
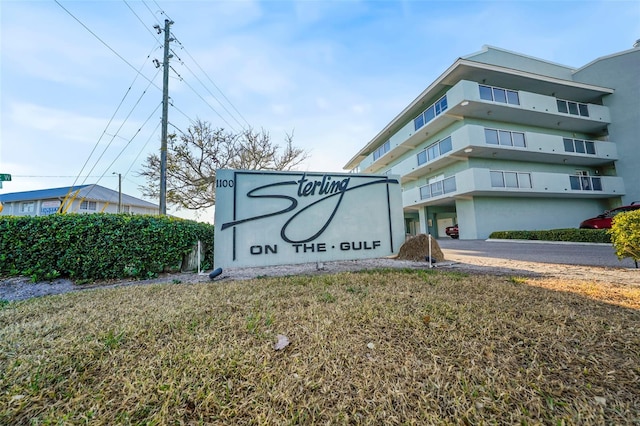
{"x":274,"y":218}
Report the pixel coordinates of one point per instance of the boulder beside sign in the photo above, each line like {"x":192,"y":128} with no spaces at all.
{"x":265,"y":218}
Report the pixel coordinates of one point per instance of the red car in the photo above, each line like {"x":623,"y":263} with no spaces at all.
{"x":603,"y":221}
{"x":452,"y":231}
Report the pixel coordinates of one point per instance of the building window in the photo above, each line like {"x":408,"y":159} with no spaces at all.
{"x":28,"y":207}
{"x":497,"y":179}
{"x":524,"y":180}
{"x":518,"y":139}
{"x":435,"y":150}
{"x":445,"y":145}
{"x":500,"y":179}
{"x":486,"y":93}
{"x":497,"y":94}
{"x":582,"y":182}
{"x":449,"y":185}
{"x":418,"y":122}
{"x":383,"y":149}
{"x":430,"y":113}
{"x":584,"y":111}
{"x":491,"y":136}
{"x":425,"y":192}
{"x":573,"y":108}
{"x":579,"y":146}
{"x":88,"y":205}
{"x":504,"y":137}
{"x":437,"y":188}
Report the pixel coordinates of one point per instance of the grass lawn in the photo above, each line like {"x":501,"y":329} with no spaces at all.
{"x":381,"y":347}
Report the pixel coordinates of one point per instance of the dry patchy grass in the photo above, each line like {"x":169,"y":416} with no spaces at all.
{"x":381,"y":347}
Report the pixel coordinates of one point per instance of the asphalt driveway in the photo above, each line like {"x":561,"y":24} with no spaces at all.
{"x":534,"y":251}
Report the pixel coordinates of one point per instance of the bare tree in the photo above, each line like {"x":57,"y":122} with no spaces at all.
{"x":194,"y":156}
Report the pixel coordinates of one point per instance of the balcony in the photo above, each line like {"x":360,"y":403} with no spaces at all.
{"x":472,"y":141}
{"x":485,"y":183}
{"x":464,"y":100}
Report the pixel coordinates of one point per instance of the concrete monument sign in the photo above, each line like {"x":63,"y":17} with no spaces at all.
{"x":274,"y":218}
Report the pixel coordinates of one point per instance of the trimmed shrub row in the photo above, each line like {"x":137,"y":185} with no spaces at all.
{"x":568,"y":234}
{"x":624,"y":235}
{"x":88,"y":247}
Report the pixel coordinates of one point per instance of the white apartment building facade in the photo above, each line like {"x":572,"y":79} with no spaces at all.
{"x":503,"y":141}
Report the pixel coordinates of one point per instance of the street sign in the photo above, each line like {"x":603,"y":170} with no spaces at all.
{"x":5,"y":177}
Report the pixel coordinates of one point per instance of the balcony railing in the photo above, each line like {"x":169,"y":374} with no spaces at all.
{"x":438,"y":188}
{"x":473,"y":100}
{"x":487,"y":182}
{"x":585,"y":183}
{"x":430,"y":113}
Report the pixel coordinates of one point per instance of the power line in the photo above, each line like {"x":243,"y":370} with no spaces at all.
{"x":138,"y":72}
{"x":214,"y":96}
{"x":180,"y":111}
{"x":200,"y":96}
{"x":104,"y":43}
{"x":142,"y":149}
{"x":231,"y":114}
{"x":151,"y":11}
{"x":165,"y":101}
{"x":176,"y":127}
{"x":142,"y":22}
{"x":131,"y":140}
{"x":207,"y":103}
{"x":109,"y":124}
{"x":122,"y":150}
{"x":211,"y":81}
{"x":162,"y":11}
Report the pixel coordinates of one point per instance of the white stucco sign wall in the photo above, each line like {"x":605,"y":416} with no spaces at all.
{"x":275,"y":218}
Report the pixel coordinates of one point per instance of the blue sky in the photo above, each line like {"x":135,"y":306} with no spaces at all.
{"x":333,"y":73}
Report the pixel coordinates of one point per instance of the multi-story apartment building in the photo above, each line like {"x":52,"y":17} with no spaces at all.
{"x":504,"y":141}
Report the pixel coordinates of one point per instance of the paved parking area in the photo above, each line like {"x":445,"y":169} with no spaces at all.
{"x":600,"y":255}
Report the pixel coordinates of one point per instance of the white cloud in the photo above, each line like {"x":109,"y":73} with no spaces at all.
{"x":61,"y":124}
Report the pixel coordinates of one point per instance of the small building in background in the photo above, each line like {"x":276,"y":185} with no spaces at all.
{"x":78,"y":199}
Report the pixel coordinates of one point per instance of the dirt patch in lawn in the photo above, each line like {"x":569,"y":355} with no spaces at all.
{"x":20,"y":288}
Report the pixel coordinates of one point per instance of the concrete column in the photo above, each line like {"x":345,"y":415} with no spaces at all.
{"x":422,"y":214}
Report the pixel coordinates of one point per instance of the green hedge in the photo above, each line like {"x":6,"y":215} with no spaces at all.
{"x":568,"y":234}
{"x":88,"y":247}
{"x":625,"y":235}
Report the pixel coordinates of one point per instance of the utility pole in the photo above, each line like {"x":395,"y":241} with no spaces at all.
{"x":165,"y":117}
{"x":119,"y":191}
